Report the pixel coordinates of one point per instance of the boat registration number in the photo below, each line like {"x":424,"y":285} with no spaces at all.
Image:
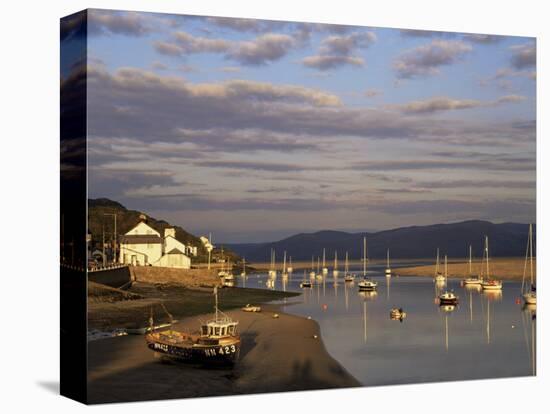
{"x":223,"y":350}
{"x":161,"y":347}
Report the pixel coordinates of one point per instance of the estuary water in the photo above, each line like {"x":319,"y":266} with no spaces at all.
{"x":488,"y":335}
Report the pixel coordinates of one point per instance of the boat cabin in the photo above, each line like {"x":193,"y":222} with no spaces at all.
{"x":219,"y":329}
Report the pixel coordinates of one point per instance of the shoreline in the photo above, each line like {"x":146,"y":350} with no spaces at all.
{"x":277,"y":354}
{"x":500,"y":268}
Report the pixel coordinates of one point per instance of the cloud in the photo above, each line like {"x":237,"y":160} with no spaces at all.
{"x":113,"y":22}
{"x":430,"y":164}
{"x":426,"y":60}
{"x":479,"y":183}
{"x":485,"y":39}
{"x":264,"y":49}
{"x":439,"y":104}
{"x":158,"y":65}
{"x":373,"y":93}
{"x":245,"y":25}
{"x":331,"y":62}
{"x":336,"y":51}
{"x":425,"y":33}
{"x":261,"y":50}
{"x":230,"y":69}
{"x":524,"y":56}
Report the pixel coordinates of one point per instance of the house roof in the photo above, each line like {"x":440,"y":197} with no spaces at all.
{"x":141,"y":239}
{"x":175,"y":251}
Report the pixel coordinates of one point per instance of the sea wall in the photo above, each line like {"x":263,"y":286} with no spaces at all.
{"x":187,"y":277}
{"x":115,"y":277}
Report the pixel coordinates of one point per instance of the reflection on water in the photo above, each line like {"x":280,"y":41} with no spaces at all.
{"x":487,"y":335}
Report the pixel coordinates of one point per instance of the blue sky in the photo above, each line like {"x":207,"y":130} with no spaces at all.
{"x":256,"y":130}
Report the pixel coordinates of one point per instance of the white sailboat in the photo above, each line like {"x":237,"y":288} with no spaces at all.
{"x":284,"y":272}
{"x":439,"y":278}
{"x":318,"y":275}
{"x":312,"y":272}
{"x":290,"y":269}
{"x":272,"y":270}
{"x":325,"y":269}
{"x":335,"y":271}
{"x":448,"y":297}
{"x":243,"y":273}
{"x":366,"y":283}
{"x":489,"y":283}
{"x":306,"y":283}
{"x":471,"y":279}
{"x":348,"y":277}
{"x":529,"y":294}
{"x":388,"y":268}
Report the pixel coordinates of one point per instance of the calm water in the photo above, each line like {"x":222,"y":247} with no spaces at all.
{"x":486,"y":336}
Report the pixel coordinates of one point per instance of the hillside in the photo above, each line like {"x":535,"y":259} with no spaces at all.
{"x":126,"y":219}
{"x":505,"y":240}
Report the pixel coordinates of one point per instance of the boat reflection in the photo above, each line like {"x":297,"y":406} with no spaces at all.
{"x":492,"y":295}
{"x":529,"y":323}
{"x":447,"y":310}
{"x":470,"y":290}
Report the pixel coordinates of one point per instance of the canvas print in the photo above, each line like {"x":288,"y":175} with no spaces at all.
{"x":274,"y":206}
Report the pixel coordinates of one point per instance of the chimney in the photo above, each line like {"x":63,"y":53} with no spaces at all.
{"x":170,"y":231}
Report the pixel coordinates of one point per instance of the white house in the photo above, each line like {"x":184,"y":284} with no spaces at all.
{"x":144,"y":246}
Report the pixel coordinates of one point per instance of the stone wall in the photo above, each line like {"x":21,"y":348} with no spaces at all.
{"x":115,"y":277}
{"x":187,"y":277}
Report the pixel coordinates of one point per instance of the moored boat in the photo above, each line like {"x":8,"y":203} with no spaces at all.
{"x":489,"y":283}
{"x":388,"y":268}
{"x":348,"y":277}
{"x":529,"y":294}
{"x":217,"y":342}
{"x":448,"y":297}
{"x":366,"y":284}
{"x":471,"y":280}
{"x":397,"y":314}
{"x":438,"y":277}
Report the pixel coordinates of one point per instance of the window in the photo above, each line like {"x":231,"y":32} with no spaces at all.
{"x":217,"y":331}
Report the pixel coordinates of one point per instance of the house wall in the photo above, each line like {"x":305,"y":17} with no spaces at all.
{"x":178,"y":261}
{"x":145,"y":253}
{"x":172,"y":243}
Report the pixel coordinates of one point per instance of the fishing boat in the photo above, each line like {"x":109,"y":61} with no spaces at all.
{"x":325,"y":269}
{"x":348,"y":277}
{"x":388,"y":268}
{"x":217,"y":342}
{"x":366,"y":284}
{"x":397,"y":314}
{"x":335,"y":271}
{"x":489,"y":283}
{"x":471,"y":280}
{"x":448,"y":297}
{"x":439,"y":278}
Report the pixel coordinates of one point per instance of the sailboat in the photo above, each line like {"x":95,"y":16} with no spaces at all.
{"x":335,"y":271}
{"x":325,"y":269}
{"x":388,"y":269}
{"x":439,"y":278}
{"x":312,"y":272}
{"x":306,"y":283}
{"x":489,"y":283}
{"x":272,"y":270}
{"x":471,"y":280}
{"x":284,"y":272}
{"x":243,"y":273}
{"x":529,"y":295}
{"x":318,"y":275}
{"x":348,"y":277}
{"x":290,"y":269}
{"x":366,"y":283}
{"x":448,"y":297}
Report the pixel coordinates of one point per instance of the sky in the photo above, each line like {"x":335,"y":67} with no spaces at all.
{"x":256,"y":130}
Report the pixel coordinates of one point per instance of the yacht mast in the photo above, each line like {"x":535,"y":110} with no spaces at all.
{"x":364,"y":256}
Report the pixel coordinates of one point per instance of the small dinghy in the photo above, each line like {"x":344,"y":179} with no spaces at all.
{"x":398,"y":314}
{"x":250,"y":308}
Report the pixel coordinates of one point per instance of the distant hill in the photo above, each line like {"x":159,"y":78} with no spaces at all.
{"x":505,"y":240}
{"x":127,"y":219}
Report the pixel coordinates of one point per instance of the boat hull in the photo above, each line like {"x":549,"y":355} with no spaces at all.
{"x":219,"y":354}
{"x":443,"y":301}
{"x":530,"y":298}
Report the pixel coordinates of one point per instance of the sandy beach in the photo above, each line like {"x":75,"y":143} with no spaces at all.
{"x":510,"y":268}
{"x":278,"y":354}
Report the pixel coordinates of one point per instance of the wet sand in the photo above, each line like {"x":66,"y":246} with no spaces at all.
{"x":276,"y":355}
{"x":501,"y":268}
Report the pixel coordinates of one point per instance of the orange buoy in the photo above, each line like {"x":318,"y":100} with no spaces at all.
{"x":325,"y":306}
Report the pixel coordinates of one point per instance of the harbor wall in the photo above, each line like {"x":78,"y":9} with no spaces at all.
{"x":115,"y":277}
{"x":187,"y":277}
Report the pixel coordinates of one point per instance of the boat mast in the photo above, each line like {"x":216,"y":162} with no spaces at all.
{"x":284,"y":263}
{"x":437,"y":262}
{"x":335,"y":260}
{"x":470,"y":260}
{"x":531,"y":252}
{"x":216,"y":302}
{"x":347,"y":265}
{"x":487,"y":251}
{"x":445,"y":268}
{"x":388,"y":259}
{"x":324,"y":258}
{"x":364,"y":256}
